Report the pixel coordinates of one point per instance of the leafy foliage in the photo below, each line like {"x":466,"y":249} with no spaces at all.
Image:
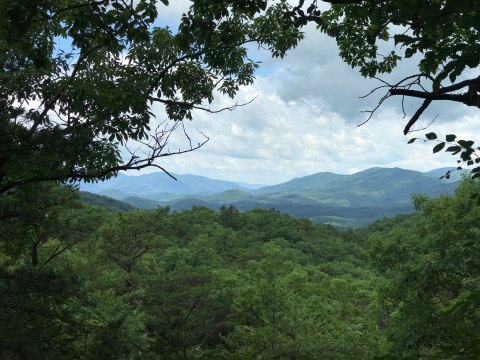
{"x":464,"y":148}
{"x":431,"y":298}
{"x":80,"y":80}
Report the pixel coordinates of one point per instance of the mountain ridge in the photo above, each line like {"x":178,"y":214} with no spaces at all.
{"x":344,"y":200}
{"x":160,"y":183}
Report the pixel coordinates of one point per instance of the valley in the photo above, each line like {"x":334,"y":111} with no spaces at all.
{"x":341,"y":200}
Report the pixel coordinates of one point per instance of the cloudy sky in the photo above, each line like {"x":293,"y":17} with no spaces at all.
{"x":304,"y":120}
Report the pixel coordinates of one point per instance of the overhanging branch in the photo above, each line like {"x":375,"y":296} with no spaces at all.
{"x":416,"y":116}
{"x":192,"y":105}
{"x":406,"y":89}
{"x":155,"y":149}
{"x":428,"y":95}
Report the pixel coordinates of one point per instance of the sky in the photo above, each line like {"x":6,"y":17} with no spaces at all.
{"x":304,"y":119}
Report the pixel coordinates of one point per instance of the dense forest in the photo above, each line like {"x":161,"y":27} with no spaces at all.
{"x":90,"y":88}
{"x":79,"y":281}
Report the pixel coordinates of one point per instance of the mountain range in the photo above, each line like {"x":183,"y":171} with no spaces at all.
{"x":343,"y":200}
{"x":161,"y":187}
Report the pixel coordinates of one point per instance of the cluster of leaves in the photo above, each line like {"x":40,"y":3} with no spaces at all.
{"x":79,"y":80}
{"x":464,"y":148}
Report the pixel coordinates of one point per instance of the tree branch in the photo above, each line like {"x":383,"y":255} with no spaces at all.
{"x":136,"y":162}
{"x":460,"y":85}
{"x":192,"y":105}
{"x":428,"y":95}
{"x":58,"y":250}
{"x":404,"y":88}
{"x":415,"y":117}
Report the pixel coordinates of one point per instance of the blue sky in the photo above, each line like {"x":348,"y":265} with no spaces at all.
{"x":304,"y":120}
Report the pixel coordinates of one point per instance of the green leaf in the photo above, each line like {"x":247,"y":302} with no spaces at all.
{"x":454,"y":149}
{"x":438,"y":147}
{"x":466,"y":155}
{"x":402,"y":38}
{"x":431,"y":136}
{"x":465,"y":143}
{"x":450,"y":137}
{"x":409,"y":52}
{"x":412,"y":140}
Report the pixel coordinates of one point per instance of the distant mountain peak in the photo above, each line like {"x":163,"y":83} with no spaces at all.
{"x":358,"y":198}
{"x":159,"y":182}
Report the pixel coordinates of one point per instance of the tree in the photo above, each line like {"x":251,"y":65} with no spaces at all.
{"x":283,"y":310}
{"x":47,"y":305}
{"x":432,"y":298}
{"x":80,"y":78}
{"x":440,"y":35}
{"x":41,"y":222}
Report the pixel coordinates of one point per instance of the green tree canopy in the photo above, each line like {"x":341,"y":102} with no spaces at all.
{"x":79,"y":79}
{"x":432,"y":297}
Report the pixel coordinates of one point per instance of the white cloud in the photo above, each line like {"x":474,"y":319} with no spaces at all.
{"x":273,"y":140}
{"x":171,"y":14}
{"x":304,"y":121}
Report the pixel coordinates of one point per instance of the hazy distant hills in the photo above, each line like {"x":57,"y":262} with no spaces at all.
{"x":105,"y":202}
{"x":454,"y":174}
{"x":309,"y":182}
{"x":160,"y":187}
{"x":345,"y":200}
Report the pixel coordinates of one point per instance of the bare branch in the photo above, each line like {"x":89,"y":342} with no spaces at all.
{"x":425,"y":127}
{"x":156,"y":150}
{"x":415,"y":117}
{"x":192,"y":105}
{"x":185,"y":133}
{"x":404,"y":88}
{"x":371,"y":112}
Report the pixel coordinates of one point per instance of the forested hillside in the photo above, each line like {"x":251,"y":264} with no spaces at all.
{"x":81,"y":282}
{"x":92,"y":88}
{"x":342,"y":200}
